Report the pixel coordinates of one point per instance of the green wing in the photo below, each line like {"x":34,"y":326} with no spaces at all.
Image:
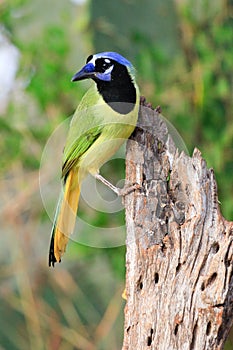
{"x":95,"y":123}
{"x":78,"y":148}
{"x":85,"y":127}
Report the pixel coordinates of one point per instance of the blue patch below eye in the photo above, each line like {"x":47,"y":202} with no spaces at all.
{"x":104,"y":76}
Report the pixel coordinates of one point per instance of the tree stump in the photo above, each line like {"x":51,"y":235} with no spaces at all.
{"x":179,"y":282}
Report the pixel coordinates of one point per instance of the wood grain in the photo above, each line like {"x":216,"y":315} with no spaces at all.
{"x":179,"y":281}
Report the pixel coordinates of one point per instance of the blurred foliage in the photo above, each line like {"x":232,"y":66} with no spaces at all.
{"x":183,"y":54}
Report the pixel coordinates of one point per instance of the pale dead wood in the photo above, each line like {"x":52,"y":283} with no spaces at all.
{"x":179,"y":281}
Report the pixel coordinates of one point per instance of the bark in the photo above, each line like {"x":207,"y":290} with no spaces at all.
{"x":179,"y":281}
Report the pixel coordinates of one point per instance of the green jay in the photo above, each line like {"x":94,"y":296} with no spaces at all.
{"x":104,"y":119}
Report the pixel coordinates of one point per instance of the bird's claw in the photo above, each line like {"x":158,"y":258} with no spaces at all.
{"x":127,"y":189}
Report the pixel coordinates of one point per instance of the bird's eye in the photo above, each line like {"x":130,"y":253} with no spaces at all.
{"x":102,"y":64}
{"x":106,"y":63}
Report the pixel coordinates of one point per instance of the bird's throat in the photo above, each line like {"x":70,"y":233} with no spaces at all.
{"x":120,"y":96}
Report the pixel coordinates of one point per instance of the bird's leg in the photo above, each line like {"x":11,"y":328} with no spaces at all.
{"x":119,"y":191}
{"x":107,"y":183}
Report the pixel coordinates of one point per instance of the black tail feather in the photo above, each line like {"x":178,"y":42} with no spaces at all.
{"x":52,"y":259}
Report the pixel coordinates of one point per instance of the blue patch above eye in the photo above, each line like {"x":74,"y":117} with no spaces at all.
{"x":115,"y":56}
{"x":89,"y":68}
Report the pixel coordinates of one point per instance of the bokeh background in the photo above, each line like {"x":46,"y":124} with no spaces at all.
{"x":183,"y":53}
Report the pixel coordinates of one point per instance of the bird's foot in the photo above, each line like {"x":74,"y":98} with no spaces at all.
{"x":128,"y":189}
{"x":119,"y":191}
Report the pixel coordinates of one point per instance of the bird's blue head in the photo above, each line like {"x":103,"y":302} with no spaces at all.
{"x":105,"y":66}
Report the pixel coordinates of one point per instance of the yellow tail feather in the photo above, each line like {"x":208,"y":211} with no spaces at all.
{"x":66,"y":217}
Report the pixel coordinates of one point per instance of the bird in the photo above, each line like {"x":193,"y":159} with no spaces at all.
{"x":104,"y":119}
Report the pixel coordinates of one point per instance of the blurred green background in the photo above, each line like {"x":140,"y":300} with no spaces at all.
{"x":183,"y":54}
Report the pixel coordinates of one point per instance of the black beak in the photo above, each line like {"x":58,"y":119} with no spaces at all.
{"x":86,"y":72}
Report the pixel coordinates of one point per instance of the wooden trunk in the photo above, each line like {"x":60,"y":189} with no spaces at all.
{"x":179,"y":282}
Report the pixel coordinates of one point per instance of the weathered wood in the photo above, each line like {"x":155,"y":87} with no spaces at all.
{"x":179,"y":280}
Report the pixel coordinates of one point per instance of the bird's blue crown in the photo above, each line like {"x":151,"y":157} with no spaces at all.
{"x":117,"y":57}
